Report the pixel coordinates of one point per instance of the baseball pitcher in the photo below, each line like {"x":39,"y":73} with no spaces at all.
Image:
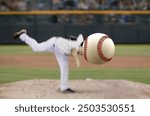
{"x":62,"y":48}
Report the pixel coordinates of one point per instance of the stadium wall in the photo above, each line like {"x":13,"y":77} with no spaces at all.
{"x":128,"y":33}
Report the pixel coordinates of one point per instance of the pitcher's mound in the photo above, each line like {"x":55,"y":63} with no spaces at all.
{"x":92,"y":89}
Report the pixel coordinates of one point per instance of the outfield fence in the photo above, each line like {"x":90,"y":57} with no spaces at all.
{"x":123,"y":26}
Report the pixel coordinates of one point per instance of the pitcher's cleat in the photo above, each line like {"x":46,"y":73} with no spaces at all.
{"x":17,"y":34}
{"x":68,"y":91}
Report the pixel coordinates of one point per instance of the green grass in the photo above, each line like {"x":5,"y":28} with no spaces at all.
{"x":17,"y":50}
{"x":133,"y":50}
{"x":18,"y":74}
{"x":120,"y":50}
{"x":11,"y":74}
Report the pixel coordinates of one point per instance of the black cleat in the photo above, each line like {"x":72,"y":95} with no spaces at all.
{"x":17,"y":34}
{"x":68,"y":91}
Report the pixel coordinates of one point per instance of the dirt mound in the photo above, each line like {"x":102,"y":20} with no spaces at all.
{"x":92,"y":89}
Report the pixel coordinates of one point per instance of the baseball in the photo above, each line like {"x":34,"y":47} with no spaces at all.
{"x":98,"y":48}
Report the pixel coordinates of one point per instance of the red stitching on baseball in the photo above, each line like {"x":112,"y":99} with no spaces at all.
{"x":85,"y":49}
{"x":99,"y":49}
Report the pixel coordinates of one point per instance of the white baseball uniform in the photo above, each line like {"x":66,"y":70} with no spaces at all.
{"x":61,"y":47}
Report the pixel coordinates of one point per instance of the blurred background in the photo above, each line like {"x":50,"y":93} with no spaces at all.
{"x":123,"y":28}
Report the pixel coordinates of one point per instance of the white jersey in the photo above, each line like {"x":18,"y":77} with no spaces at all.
{"x":66,"y":45}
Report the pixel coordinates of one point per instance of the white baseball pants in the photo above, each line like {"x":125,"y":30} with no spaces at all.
{"x":50,"y":46}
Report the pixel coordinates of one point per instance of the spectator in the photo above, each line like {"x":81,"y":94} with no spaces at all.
{"x":93,"y":4}
{"x":4,"y":6}
{"x":83,"y":19}
{"x":69,"y":4}
{"x":113,"y":4}
{"x":57,"y":4}
{"x":82,"y":4}
{"x":13,"y":5}
{"x":143,"y":5}
{"x":21,"y":5}
{"x":103,"y":4}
